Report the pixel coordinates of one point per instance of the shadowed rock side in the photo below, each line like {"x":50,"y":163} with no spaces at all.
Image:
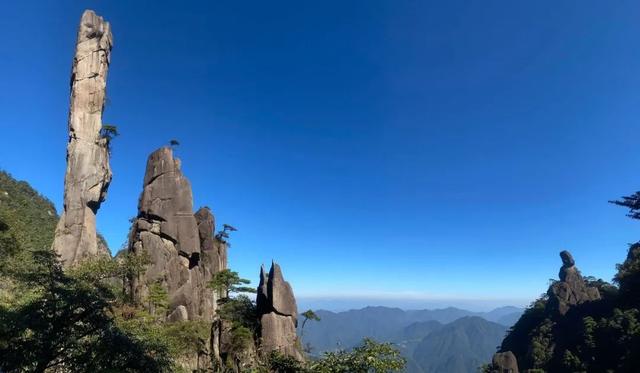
{"x":571,"y":289}
{"x":183,"y":252}
{"x":88,"y":173}
{"x":277,"y":312}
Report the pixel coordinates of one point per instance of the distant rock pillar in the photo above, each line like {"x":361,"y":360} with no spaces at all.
{"x":88,"y":173}
{"x":571,"y":289}
{"x":278,"y":313}
{"x":504,"y":362}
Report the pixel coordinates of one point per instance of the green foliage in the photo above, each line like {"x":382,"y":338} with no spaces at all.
{"x":27,"y":223}
{"x":108,"y":132}
{"x":371,"y":356}
{"x":227,"y":281}
{"x":158,"y":299}
{"x":241,"y":338}
{"x":27,"y":217}
{"x":186,"y":337}
{"x":308,"y":315}
{"x":239,"y":312}
{"x":65,"y":322}
{"x":223,"y":235}
{"x":238,"y":315}
{"x":280,"y":363}
{"x":631,"y":202}
{"x":542,"y":344}
{"x":628,"y":276}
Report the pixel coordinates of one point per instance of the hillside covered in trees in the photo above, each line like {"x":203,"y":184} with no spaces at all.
{"x":581,"y":324}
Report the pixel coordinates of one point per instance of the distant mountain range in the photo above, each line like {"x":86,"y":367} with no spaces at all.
{"x":441,"y":340}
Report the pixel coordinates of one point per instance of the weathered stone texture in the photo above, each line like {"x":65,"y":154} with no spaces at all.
{"x":571,"y":289}
{"x":88,"y":172}
{"x":504,"y":362}
{"x":184,"y":254}
{"x":278,"y":313}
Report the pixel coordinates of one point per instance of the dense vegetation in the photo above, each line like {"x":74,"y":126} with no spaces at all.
{"x":26,"y":217}
{"x":84,"y":319}
{"x":598,"y":336}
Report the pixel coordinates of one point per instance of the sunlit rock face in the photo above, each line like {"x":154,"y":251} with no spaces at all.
{"x":88,"y":173}
{"x":182,"y":249}
{"x":571,"y":289}
{"x":277,"y":311}
{"x":504,"y":362}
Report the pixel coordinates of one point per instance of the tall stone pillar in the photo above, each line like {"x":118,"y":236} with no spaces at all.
{"x":88,"y":173}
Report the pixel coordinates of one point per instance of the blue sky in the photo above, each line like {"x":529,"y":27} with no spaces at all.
{"x":389,"y":151}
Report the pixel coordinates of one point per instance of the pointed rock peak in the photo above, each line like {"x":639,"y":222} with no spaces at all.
{"x":280,"y":293}
{"x":264,"y":280}
{"x":263,"y":275}
{"x":275,"y":271}
{"x":277,"y":309}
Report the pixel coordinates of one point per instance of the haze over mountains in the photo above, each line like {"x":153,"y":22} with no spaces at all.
{"x":438,"y":340}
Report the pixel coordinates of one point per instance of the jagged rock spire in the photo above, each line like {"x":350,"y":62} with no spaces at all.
{"x":571,"y":289}
{"x":88,"y":173}
{"x":183,"y":252}
{"x":278,"y":313}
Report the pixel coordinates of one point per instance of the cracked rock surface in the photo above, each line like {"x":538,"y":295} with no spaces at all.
{"x":88,"y":173}
{"x":183,"y":252}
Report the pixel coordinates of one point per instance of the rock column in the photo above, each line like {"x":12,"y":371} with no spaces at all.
{"x":278,"y":313}
{"x":88,"y":173}
{"x":183,"y":252}
{"x":504,"y":362}
{"x":571,"y":289}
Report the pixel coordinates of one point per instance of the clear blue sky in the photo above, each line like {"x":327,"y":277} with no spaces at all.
{"x":387,"y":149}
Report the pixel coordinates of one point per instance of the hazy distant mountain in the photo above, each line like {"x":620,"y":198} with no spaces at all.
{"x":459,"y":347}
{"x":346,"y":329}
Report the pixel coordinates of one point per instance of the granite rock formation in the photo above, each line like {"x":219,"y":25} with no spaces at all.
{"x":88,"y":173}
{"x":571,"y":289}
{"x":183,"y":252}
{"x":277,"y":311}
{"x":504,"y":362}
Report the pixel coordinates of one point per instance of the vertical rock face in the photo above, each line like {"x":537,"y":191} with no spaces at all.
{"x":277,"y":311}
{"x":504,"y":362}
{"x":571,"y":289}
{"x":88,"y":173}
{"x":183,"y":252}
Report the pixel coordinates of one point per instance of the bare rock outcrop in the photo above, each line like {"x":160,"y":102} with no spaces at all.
{"x":183,"y":252}
{"x":277,"y":311}
{"x":571,"y":289}
{"x":88,"y":172}
{"x":504,"y":362}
